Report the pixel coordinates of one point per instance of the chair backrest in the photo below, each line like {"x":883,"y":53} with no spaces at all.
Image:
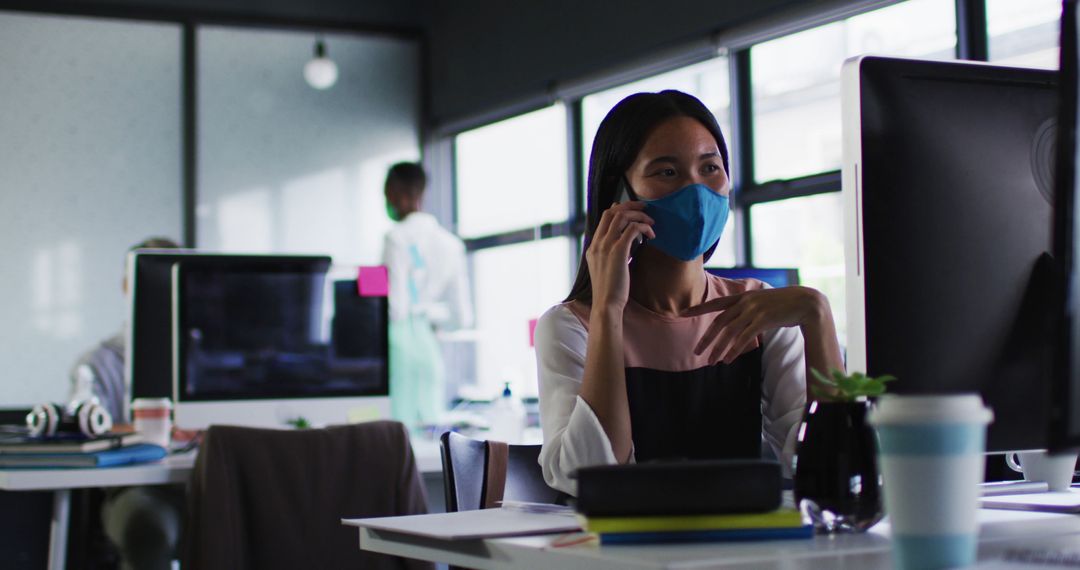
{"x":268,"y":499}
{"x":478,"y":474}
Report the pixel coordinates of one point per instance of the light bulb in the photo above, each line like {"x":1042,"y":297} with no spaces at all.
{"x":320,"y":72}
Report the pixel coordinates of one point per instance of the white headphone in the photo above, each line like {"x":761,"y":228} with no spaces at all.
{"x":88,"y":418}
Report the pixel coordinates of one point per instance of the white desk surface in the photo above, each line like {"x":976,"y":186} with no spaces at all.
{"x":172,"y":469}
{"x":1000,"y":531}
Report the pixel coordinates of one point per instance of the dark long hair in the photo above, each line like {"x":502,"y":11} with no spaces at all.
{"x":620,"y":137}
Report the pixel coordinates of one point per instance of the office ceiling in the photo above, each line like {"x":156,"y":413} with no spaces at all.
{"x":393,"y":14}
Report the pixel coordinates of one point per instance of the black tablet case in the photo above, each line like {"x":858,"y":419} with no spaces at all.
{"x":679,"y":488}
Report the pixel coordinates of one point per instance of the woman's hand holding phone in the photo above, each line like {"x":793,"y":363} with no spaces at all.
{"x":620,"y":226}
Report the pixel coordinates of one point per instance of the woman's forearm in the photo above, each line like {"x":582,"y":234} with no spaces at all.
{"x":604,"y":384}
{"x":822,"y":348}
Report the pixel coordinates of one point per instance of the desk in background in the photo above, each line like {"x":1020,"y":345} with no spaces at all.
{"x":175,"y":469}
{"x":1000,"y":532}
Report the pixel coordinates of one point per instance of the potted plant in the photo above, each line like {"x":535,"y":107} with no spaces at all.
{"x":837,"y":482}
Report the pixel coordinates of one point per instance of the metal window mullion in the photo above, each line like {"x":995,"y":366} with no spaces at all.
{"x":742,"y":150}
{"x":189,"y":131}
{"x":972,"y":38}
{"x":575,"y":185}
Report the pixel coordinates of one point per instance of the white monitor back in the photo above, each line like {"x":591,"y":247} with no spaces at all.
{"x":851,"y":184}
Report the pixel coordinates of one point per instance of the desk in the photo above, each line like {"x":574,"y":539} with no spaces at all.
{"x":173,"y":469}
{"x":999,"y":532}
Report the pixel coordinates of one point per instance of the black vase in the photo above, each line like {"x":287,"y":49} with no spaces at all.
{"x":836,"y":475}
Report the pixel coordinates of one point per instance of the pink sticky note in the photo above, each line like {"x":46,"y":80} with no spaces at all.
{"x":532,"y":332}
{"x":373,"y":281}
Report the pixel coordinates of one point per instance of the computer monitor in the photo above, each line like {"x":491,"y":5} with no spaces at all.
{"x":254,"y":344}
{"x":1065,"y":396}
{"x":775,"y":277}
{"x":148,"y":332}
{"x":947,"y":182}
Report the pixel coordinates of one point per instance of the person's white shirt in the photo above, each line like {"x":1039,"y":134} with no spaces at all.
{"x":428,"y":274}
{"x":573,"y":435}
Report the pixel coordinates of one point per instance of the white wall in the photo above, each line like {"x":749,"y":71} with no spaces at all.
{"x":90,"y":163}
{"x":91,"y":159}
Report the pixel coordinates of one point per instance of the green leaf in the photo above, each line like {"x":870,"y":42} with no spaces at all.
{"x":874,"y":388}
{"x":848,"y":385}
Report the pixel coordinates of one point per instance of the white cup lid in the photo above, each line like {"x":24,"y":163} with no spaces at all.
{"x":151,"y":403}
{"x":940,"y":408}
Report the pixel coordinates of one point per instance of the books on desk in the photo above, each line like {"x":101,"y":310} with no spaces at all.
{"x":68,"y":444}
{"x":131,"y":454}
{"x":773,"y":525}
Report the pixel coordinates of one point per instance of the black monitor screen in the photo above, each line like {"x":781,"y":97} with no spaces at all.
{"x":1065,"y":403}
{"x":262,"y":329}
{"x":957,"y":206}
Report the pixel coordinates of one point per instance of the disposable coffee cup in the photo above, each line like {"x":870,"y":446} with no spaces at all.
{"x":153,"y":420}
{"x":931,"y":456}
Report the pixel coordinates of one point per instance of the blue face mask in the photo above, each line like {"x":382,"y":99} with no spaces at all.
{"x":688,"y":221}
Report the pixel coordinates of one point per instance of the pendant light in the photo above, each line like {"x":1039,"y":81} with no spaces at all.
{"x":320,"y":71}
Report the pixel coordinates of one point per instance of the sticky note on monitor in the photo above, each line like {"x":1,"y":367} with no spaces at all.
{"x":373,"y":281}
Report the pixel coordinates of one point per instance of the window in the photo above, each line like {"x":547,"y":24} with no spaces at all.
{"x":512,"y":174}
{"x":707,"y":81}
{"x":92,"y":165}
{"x":794,"y":85}
{"x":808,"y":234}
{"x":796,"y":81}
{"x":1024,"y":32}
{"x":513,"y":285}
{"x":797,"y":130}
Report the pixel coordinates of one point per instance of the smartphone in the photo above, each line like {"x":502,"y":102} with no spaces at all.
{"x":623,"y":193}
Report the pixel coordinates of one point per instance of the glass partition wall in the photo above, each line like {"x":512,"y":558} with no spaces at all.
{"x":117,"y":130}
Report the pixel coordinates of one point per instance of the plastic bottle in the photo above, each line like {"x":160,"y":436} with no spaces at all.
{"x":507,"y":417}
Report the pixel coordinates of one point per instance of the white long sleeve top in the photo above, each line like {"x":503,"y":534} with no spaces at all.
{"x":573,"y":436}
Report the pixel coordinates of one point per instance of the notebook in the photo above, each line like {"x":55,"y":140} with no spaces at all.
{"x":138,"y":453}
{"x":464,"y":525}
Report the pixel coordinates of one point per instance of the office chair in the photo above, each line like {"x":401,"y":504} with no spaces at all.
{"x":268,"y":499}
{"x":479,"y":474}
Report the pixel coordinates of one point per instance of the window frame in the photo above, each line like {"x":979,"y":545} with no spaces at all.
{"x":972,"y":43}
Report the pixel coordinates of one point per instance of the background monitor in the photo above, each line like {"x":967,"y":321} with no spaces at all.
{"x":775,"y":277}
{"x":948,"y":190}
{"x":255,"y":344}
{"x":1065,"y":400}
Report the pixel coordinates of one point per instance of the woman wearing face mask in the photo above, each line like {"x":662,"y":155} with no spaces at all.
{"x":655,"y":358}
